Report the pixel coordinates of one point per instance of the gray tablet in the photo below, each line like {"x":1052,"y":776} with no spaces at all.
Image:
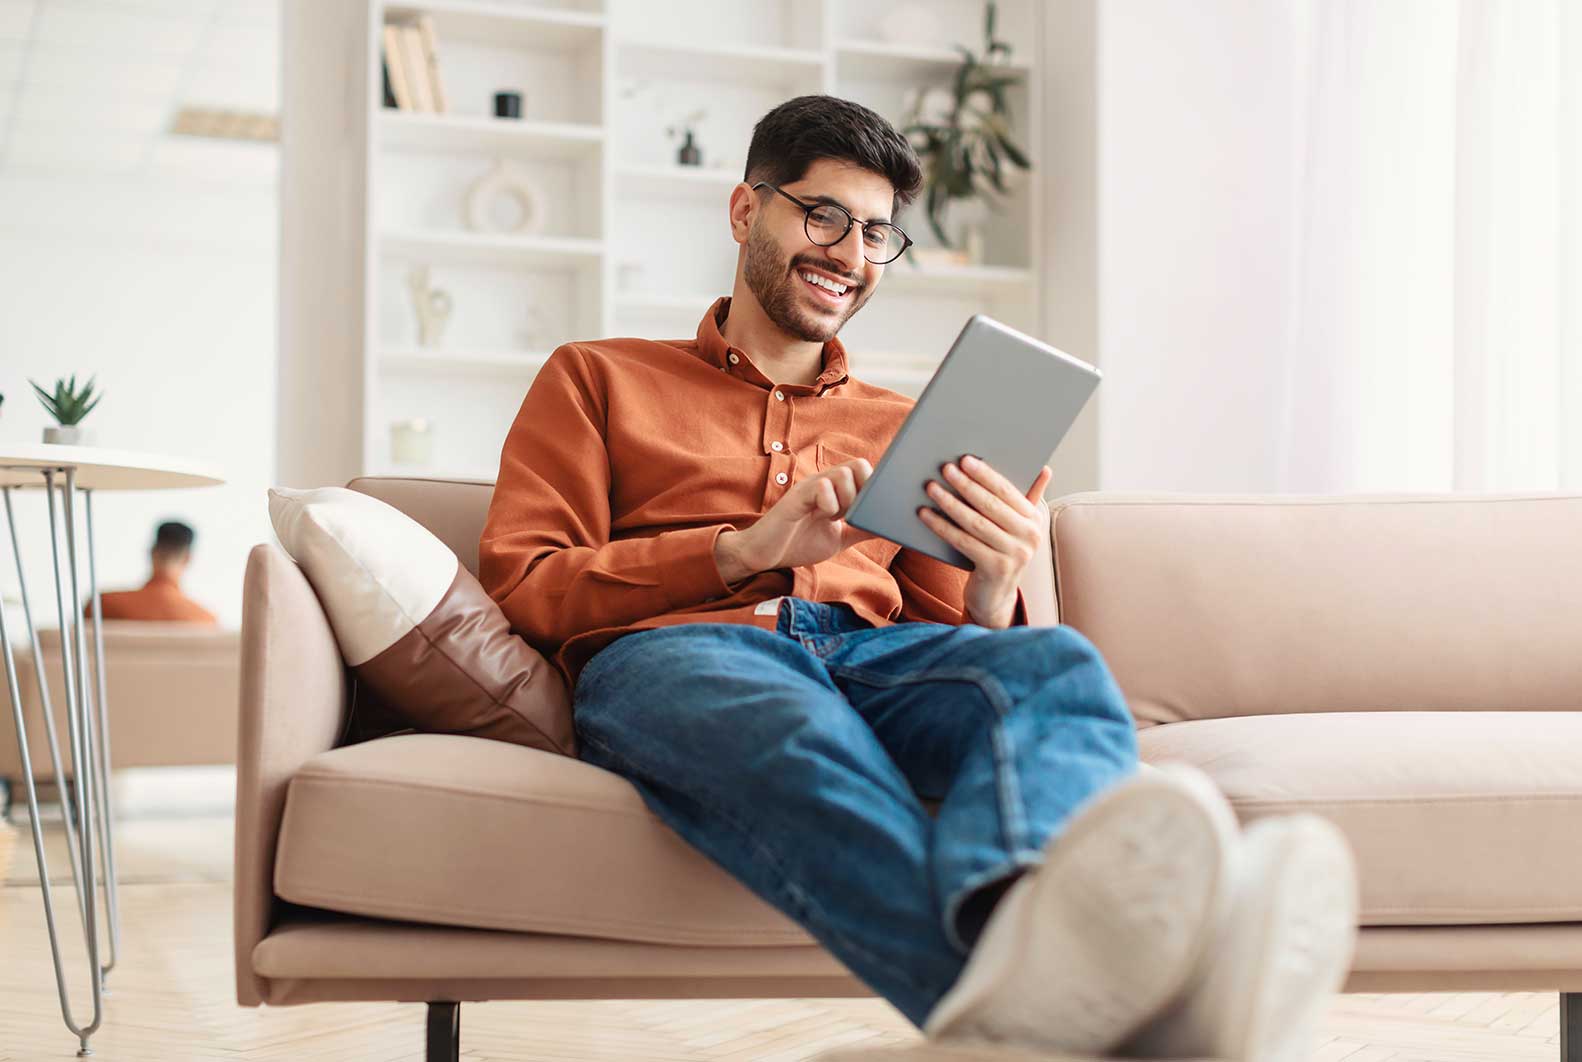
{"x":1000,"y":395}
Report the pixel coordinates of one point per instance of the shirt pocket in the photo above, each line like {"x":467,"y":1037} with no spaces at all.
{"x":879,"y":550}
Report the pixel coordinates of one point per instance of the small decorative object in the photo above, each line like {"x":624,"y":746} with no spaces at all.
{"x":688,"y":154}
{"x":508,"y":105}
{"x":68,"y":406}
{"x":504,"y":186}
{"x":963,"y":136}
{"x":910,"y":24}
{"x":433,"y":306}
{"x":411,"y":441}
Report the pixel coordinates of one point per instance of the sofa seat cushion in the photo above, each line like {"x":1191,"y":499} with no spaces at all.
{"x":1455,"y":817}
{"x":461,"y":831}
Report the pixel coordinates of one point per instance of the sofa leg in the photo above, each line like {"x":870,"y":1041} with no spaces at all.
{"x":1571,"y":1027}
{"x":444,"y":1032}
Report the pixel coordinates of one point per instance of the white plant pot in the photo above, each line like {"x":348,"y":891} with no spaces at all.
{"x":61,"y":435}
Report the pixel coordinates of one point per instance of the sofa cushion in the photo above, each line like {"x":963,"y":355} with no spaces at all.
{"x":451,"y":830}
{"x":415,"y":625}
{"x":1218,"y":605}
{"x":1455,"y":817}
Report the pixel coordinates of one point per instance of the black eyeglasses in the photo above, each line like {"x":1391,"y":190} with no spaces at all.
{"x":826,"y":224}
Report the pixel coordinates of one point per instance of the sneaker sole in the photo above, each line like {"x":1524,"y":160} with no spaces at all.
{"x":1121,"y":911}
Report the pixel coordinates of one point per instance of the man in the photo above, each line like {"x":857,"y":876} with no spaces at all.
{"x":785,"y":691}
{"x":160,"y":598}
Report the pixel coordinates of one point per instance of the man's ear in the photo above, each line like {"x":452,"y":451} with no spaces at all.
{"x":743,"y":204}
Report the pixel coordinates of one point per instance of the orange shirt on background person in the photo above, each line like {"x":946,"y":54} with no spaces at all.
{"x":629,"y":457}
{"x":158,"y":599}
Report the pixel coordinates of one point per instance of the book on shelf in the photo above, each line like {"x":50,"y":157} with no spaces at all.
{"x":436,"y":84}
{"x":417,"y":69}
{"x":395,"y":62}
{"x":384,"y":75}
{"x":411,"y":66}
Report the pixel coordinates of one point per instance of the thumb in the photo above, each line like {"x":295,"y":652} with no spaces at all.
{"x":1035,"y":493}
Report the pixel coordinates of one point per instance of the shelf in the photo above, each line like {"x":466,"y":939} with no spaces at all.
{"x":882,"y":61}
{"x":560,"y":252}
{"x":451,"y":133}
{"x":692,"y":184}
{"x":474,"y":362}
{"x":737,"y":64}
{"x":501,"y":25}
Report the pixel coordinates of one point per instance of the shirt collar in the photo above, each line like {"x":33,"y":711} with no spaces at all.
{"x":712,"y":345}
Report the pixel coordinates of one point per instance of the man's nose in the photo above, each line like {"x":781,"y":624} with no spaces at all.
{"x":847,"y":251}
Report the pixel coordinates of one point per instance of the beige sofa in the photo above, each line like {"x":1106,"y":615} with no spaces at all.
{"x":1410,"y":667}
{"x":172,"y":690}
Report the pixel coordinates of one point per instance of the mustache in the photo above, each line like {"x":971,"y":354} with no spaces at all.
{"x":851,"y":282}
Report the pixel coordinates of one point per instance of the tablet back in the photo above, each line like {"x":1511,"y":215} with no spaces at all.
{"x":998,"y":394}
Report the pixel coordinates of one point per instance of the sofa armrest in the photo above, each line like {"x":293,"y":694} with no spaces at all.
{"x":1038,"y":581}
{"x":293,"y":707}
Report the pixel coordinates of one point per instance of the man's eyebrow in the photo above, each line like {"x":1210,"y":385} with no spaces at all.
{"x":836,"y":202}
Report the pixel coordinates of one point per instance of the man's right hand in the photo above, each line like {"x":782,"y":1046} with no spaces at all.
{"x":805,"y":526}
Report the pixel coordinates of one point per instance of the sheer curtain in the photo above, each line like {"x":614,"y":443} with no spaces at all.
{"x":1434,"y":335}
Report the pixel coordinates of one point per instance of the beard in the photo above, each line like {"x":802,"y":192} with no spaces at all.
{"x":778,"y":289}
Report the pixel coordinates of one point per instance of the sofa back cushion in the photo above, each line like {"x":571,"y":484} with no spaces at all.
{"x":1207,"y":606}
{"x":453,"y":510}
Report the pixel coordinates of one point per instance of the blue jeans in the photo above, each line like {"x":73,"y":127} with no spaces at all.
{"x":798,"y":759}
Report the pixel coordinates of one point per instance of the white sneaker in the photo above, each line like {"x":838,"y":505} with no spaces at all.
{"x":1281,"y":953}
{"x":1082,"y":952}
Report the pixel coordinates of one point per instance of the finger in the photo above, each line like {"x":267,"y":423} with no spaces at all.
{"x":861,"y":469}
{"x":945,"y":529}
{"x":827,"y":500}
{"x":972,"y":521}
{"x":992,"y":481}
{"x":845,"y":481}
{"x":1035,"y":493}
{"x":993,"y":506}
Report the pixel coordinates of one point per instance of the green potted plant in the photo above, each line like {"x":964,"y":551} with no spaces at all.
{"x":962,"y":135}
{"x":68,"y":406}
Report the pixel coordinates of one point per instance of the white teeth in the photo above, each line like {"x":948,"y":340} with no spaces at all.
{"x":824,"y":282}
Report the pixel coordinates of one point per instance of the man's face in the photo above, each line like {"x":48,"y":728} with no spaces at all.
{"x":779,"y":252}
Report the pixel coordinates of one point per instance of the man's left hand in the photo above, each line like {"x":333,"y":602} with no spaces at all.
{"x":995,"y":526}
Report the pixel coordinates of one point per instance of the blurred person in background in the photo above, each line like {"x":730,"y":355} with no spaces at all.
{"x":160,"y":598}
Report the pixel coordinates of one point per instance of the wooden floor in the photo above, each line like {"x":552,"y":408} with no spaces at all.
{"x":172,"y":997}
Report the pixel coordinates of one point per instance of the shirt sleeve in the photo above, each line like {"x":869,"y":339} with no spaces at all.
{"x":545,"y":554}
{"x":932,"y":591}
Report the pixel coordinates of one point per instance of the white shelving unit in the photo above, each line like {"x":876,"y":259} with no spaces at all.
{"x":633,"y":244}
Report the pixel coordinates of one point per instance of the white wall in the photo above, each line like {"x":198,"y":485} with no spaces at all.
{"x":166,"y":289}
{"x":1195,"y":169}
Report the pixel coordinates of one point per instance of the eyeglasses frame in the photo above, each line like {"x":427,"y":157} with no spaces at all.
{"x":851,"y":219}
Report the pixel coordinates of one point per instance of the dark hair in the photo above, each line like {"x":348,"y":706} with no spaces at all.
{"x":173,"y":536}
{"x":800,"y":131}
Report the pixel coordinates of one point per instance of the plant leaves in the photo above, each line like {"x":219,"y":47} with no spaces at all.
{"x":1014,"y":153}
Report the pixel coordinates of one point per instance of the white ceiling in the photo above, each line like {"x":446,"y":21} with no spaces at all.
{"x":91,"y":86}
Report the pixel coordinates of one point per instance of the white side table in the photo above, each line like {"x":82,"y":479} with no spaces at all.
{"x":73,"y":470}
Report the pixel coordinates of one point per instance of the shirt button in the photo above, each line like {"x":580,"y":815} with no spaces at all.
{"x":779,"y":397}
{"x":734,"y":359}
{"x":781,"y":478}
{"x":777,"y":446}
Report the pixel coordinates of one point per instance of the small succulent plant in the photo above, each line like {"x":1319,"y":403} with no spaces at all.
{"x":68,"y":405}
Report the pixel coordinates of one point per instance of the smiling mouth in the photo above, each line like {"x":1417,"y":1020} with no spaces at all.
{"x":823,"y":288}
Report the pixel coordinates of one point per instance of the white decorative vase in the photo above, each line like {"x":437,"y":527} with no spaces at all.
{"x":66,"y":435}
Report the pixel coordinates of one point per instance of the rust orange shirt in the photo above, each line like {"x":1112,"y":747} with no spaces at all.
{"x":159,"y":599}
{"x":629,"y":457}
